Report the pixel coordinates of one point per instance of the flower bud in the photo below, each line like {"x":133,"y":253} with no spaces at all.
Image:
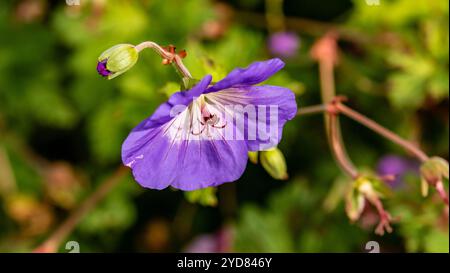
{"x":274,"y":163}
{"x":117,"y":60}
{"x":433,"y":172}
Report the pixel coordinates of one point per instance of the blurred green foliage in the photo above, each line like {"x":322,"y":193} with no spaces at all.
{"x":415,"y":48}
{"x":290,"y":223}
{"x":62,"y":125}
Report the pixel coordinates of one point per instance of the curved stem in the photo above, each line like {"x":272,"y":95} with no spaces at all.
{"x":337,"y":148}
{"x":325,"y":52}
{"x":166,"y":55}
{"x":381,"y":131}
{"x":371,"y":124}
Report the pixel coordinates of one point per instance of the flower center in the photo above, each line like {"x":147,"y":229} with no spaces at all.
{"x":207,"y":120}
{"x":201,"y":120}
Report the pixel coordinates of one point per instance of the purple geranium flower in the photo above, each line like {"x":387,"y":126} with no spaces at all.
{"x":200,"y":137}
{"x":284,"y":44}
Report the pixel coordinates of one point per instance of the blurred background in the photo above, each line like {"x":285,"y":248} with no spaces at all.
{"x":62,"y":125}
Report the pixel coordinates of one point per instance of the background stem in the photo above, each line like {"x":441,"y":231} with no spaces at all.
{"x":325,"y":52}
{"x":54,"y":241}
{"x":274,"y":15}
{"x":314,"y":109}
{"x":338,"y":149}
{"x":382,"y":131}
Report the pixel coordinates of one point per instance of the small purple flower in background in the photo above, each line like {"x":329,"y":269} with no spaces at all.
{"x":397,"y":166}
{"x":219,"y":242}
{"x":284,"y":44}
{"x":196,"y":139}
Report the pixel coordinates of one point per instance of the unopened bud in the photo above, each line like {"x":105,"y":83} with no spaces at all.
{"x":274,"y":163}
{"x":433,"y":172}
{"x":117,"y":60}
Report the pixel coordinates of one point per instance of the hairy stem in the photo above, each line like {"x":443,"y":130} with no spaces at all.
{"x":325,"y":52}
{"x":310,"y":110}
{"x":338,"y":150}
{"x":340,"y":108}
{"x":407,"y":145}
{"x":166,"y":55}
